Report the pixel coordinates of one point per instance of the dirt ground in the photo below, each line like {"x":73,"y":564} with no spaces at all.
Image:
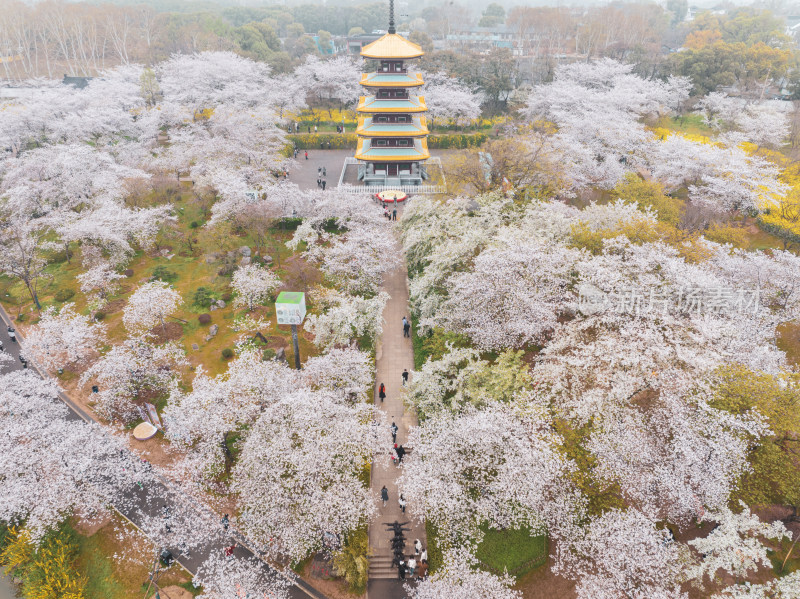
{"x":541,"y":583}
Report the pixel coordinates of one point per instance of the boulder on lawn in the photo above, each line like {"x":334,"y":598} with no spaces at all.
{"x":213,"y":330}
{"x":245,"y":251}
{"x":221,"y":303}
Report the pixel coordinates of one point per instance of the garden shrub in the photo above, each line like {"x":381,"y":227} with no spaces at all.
{"x":227,"y":353}
{"x":204,"y":318}
{"x":99,"y":316}
{"x":128,"y":273}
{"x":203,"y":297}
{"x":351,"y":561}
{"x":268,"y":354}
{"x":162,"y":273}
{"x":63,"y":295}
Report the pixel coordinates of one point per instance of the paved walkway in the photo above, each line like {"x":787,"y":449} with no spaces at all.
{"x":305,"y":173}
{"x":395,"y":353}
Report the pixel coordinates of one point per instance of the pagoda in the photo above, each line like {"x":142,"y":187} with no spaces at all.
{"x":392,"y":131}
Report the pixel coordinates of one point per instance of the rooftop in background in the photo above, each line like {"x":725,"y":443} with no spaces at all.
{"x":392,"y":45}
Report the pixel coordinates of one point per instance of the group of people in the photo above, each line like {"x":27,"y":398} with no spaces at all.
{"x":322,"y":172}
{"x":295,"y":128}
{"x":411,"y":567}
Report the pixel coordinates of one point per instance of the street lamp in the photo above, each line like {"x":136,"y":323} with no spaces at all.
{"x":290,"y":308}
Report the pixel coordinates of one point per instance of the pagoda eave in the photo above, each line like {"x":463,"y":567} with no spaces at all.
{"x":416,"y":153}
{"x":371,"y":105}
{"x":391,"y":80}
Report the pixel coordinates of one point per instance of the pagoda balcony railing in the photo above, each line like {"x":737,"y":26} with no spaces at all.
{"x":390,"y":70}
{"x":400,"y":182}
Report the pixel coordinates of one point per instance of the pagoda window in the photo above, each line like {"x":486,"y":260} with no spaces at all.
{"x":380,"y":142}
{"x":403,"y":142}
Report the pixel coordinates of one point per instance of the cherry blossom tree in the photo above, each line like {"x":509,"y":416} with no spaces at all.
{"x":148,"y":306}
{"x":129,"y":369}
{"x":22,"y":254}
{"x":201,"y":420}
{"x":253,"y":284}
{"x":55,"y":467}
{"x":235,"y":578}
{"x":460,"y":578}
{"x":348,"y":373}
{"x":100,"y":281}
{"x":329,"y":79}
{"x":735,"y":545}
{"x":622,"y":554}
{"x":449,"y":100}
{"x":298,"y":475}
{"x":785,"y":587}
{"x":62,"y":337}
{"x":345,"y":317}
{"x":596,"y":107}
{"x":520,"y":479}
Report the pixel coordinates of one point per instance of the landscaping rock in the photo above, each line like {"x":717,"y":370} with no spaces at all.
{"x":212,"y":307}
{"x":213,"y":330}
{"x":245,"y":261}
{"x":267,"y":259}
{"x":195,"y":347}
{"x":221,"y":303}
{"x":245,"y":251}
{"x":281,"y":354}
{"x":209,"y":259}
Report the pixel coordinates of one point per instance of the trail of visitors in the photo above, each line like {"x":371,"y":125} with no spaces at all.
{"x":395,"y":353}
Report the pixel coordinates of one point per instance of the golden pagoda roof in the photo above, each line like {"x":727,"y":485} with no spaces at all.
{"x":371,"y":104}
{"x":391,"y":79}
{"x":392,"y":45}
{"x":414,"y":153}
{"x":368,"y":127}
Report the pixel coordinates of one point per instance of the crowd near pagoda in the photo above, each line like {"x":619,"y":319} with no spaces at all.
{"x":392,"y":131}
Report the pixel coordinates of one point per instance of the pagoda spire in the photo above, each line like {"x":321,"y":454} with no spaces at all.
{"x":391,"y":17}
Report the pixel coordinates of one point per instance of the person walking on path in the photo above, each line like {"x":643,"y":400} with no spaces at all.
{"x":229,"y":551}
{"x":417,"y":546}
{"x":401,"y":570}
{"x":319,"y":172}
{"x":402,"y":502}
{"x":394,"y":214}
{"x":422,"y":570}
{"x":225,"y":521}
{"x":400,"y":453}
{"x":309,"y":130}
{"x":412,"y":565}
{"x":394,"y":432}
{"x":384,"y":495}
{"x":382,"y":392}
{"x":324,"y":182}
{"x":306,"y":154}
{"x":424,"y":555}
{"x":324,"y":172}
{"x":405,"y":376}
{"x":406,"y":327}
{"x":315,"y":128}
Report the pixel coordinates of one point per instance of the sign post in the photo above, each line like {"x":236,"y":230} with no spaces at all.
{"x":290,"y":308}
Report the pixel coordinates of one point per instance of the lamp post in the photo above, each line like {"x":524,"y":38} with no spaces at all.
{"x":290,"y":308}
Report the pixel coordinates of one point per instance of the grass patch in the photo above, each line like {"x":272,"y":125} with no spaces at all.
{"x":434,"y":344}
{"x":514,"y":550}
{"x":434,"y":548}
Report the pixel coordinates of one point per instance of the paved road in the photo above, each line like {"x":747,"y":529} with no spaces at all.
{"x":145,"y":505}
{"x":6,"y":590}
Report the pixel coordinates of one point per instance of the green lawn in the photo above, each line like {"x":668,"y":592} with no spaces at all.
{"x":514,"y":550}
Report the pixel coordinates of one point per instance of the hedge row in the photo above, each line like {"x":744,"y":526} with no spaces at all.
{"x":339,"y":141}
{"x":778,"y":230}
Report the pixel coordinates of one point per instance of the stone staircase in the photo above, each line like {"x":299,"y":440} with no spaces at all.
{"x":380,"y":567}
